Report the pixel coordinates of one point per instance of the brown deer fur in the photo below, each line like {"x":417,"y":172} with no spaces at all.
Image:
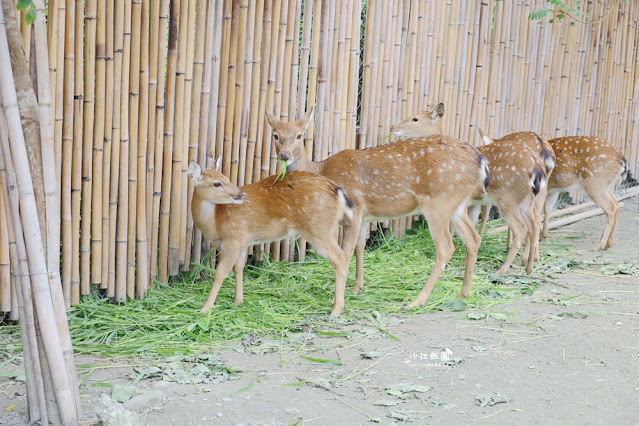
{"x":233,"y":218}
{"x":435,"y":176}
{"x":593,"y":165}
{"x":517,"y":174}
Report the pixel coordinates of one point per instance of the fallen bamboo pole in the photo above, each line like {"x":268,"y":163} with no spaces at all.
{"x":571,"y":219}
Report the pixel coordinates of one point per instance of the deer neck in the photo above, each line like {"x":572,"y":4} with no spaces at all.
{"x":305,"y":165}
{"x":204,"y":216}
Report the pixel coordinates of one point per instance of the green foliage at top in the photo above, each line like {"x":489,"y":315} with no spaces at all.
{"x":31,"y":13}
{"x":561,"y":10}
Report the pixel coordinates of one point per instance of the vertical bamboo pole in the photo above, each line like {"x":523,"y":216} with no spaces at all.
{"x":175,"y":223}
{"x":366,"y":76}
{"x":262,"y":131}
{"x":319,"y":147}
{"x":122,"y":289}
{"x":57,"y":94}
{"x":169,"y":115}
{"x":158,"y":140}
{"x":44,"y":296}
{"x":87,"y":145}
{"x":184,"y":260}
{"x":195,"y":105}
{"x":270,"y":87}
{"x":238,"y":97}
{"x":76,"y":157}
{"x":258,"y":58}
{"x":143,"y":255}
{"x":99,"y":51}
{"x":108,"y":148}
{"x":134,"y":141}
{"x":5,"y":267}
{"x":20,"y":288}
{"x":222,"y":84}
{"x":114,"y":193}
{"x":203,"y":131}
{"x":67,"y":153}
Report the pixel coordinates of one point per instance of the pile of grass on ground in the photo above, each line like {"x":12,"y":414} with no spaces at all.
{"x":282,"y":297}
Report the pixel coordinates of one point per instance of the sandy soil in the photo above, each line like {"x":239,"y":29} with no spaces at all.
{"x":568,"y":353}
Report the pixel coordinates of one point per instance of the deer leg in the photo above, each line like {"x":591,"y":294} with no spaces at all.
{"x":485,"y":210}
{"x":605,"y":198}
{"x":472,"y":240}
{"x":510,"y":211}
{"x":530,"y":215}
{"x":353,"y":228}
{"x":439,"y":228}
{"x":328,"y":247}
{"x":239,"y":276}
{"x":224,"y":264}
{"x":359,"y":259}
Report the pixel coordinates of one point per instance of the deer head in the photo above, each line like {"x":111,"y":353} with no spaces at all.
{"x":288,"y":138}
{"x":424,"y":123}
{"x":213,"y":186}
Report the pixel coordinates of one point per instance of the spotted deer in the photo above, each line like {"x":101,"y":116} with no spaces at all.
{"x":233,"y":218}
{"x":593,"y":165}
{"x":517,"y":175}
{"x":436,"y":176}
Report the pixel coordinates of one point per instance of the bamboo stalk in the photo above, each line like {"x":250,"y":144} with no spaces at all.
{"x":107,"y":147}
{"x":194,"y":140}
{"x":98,"y":143}
{"x":142,"y":269}
{"x":134,"y":141}
{"x":258,"y":71}
{"x":122,"y":286}
{"x":33,"y":239}
{"x":184,"y":260}
{"x":20,"y":289}
{"x":76,"y":156}
{"x":116,"y":143}
{"x":262,"y":131}
{"x":67,"y":153}
{"x":175,"y":228}
{"x":158,"y":140}
{"x":203,"y":132}
{"x":87,"y":145}
{"x":58,"y":94}
{"x":5,"y":267}
{"x":169,"y":115}
{"x":245,"y":155}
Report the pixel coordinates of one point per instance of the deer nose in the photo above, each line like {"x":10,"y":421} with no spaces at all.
{"x":285,"y":155}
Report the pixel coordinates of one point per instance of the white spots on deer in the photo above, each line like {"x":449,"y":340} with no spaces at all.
{"x":422,"y":152}
{"x":430,"y":149}
{"x":417,"y":179}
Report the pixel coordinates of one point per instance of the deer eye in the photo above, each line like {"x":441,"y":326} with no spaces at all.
{"x":217,"y":184}
{"x":414,"y":120}
{"x":275,"y":137}
{"x":299,"y":136}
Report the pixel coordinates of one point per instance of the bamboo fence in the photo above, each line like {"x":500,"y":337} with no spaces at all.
{"x":116,"y":97}
{"x":139,"y":88}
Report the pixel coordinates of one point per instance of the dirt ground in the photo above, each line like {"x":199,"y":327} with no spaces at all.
{"x":567,"y":354}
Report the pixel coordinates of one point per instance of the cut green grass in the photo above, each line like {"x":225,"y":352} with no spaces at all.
{"x":285,"y":300}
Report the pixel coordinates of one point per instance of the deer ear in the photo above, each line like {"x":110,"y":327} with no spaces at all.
{"x":306,"y":119}
{"x":271,"y":119}
{"x":218,"y":164}
{"x":438,"y":111}
{"x":195,"y":171}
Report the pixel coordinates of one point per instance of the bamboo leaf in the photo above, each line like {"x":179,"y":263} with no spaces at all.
{"x":30,"y":16}
{"x":23,"y":4}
